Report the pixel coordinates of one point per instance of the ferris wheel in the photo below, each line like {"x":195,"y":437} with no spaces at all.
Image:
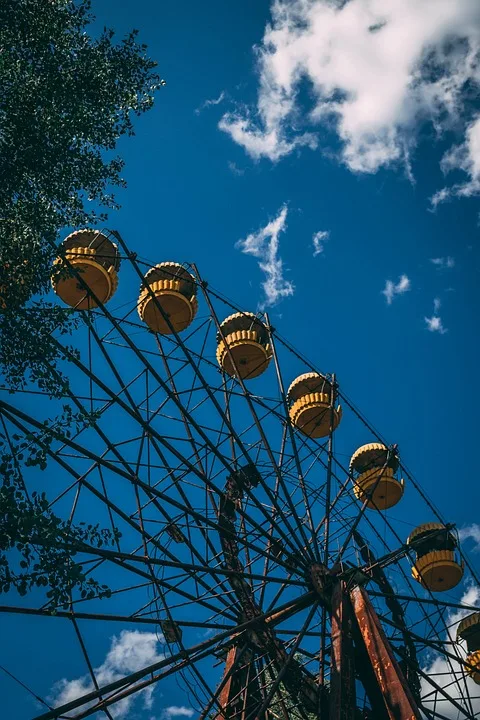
{"x":261,"y":547}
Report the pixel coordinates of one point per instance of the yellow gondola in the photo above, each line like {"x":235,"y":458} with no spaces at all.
{"x":96,"y":260}
{"x":373,"y":468}
{"x":310,"y":405}
{"x":243,"y":347}
{"x":436,"y":567}
{"x":469,"y":630}
{"x":168,"y":299}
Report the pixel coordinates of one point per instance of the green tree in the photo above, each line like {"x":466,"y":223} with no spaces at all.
{"x":65,"y":100}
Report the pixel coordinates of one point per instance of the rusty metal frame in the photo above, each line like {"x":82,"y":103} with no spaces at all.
{"x":356,"y":628}
{"x":396,"y":694}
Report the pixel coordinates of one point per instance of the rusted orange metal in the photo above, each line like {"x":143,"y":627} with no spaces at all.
{"x":226,"y":694}
{"x":240,"y":694}
{"x":342,"y":671}
{"x":396,"y":694}
{"x":294,"y":608}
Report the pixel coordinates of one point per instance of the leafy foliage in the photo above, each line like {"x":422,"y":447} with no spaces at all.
{"x":66,"y":98}
{"x":37,"y":548}
{"x":47,"y":547}
{"x":30,"y":353}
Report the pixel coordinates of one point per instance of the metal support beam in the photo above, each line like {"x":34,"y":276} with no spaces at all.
{"x":240,"y":694}
{"x":342,"y":671}
{"x":186,"y":655}
{"x":393,"y":686}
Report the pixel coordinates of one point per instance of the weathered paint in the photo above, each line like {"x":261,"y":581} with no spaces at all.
{"x":342,"y":672}
{"x":396,"y":694}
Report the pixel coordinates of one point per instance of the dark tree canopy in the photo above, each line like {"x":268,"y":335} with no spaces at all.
{"x":65,"y":100}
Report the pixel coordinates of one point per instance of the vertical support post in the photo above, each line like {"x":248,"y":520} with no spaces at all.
{"x":240,"y":692}
{"x":226,"y":693}
{"x":397,"y":696}
{"x":342,"y":671}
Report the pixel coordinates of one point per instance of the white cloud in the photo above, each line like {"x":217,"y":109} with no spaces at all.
{"x":318,"y":241}
{"x":269,"y":142}
{"x":465,"y":157}
{"x":130,"y":651}
{"x":264,"y":245}
{"x":471,"y":532}
{"x":434,"y":323}
{"x":379,"y":69}
{"x":175,"y":711}
{"x":391,"y":289}
{"x":209,"y":103}
{"x":443,"y":262}
{"x":440,"y":671}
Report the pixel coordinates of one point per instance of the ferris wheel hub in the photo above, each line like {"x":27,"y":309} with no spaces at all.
{"x":319,"y":576}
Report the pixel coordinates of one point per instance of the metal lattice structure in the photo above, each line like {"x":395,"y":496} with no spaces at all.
{"x":273,"y":571}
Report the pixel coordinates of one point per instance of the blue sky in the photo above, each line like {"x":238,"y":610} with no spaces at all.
{"x":183,"y":199}
{"x":349,"y":147}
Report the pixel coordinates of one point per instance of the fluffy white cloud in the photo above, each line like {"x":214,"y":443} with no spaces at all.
{"x":258,"y":143}
{"x":378,"y":68}
{"x":471,"y":532}
{"x":391,"y":289}
{"x":434,"y":323}
{"x":264,"y":245}
{"x":318,"y":241}
{"x":130,"y":651}
{"x":443,"y":262}
{"x":175,"y":711}
{"x":441,"y":672}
